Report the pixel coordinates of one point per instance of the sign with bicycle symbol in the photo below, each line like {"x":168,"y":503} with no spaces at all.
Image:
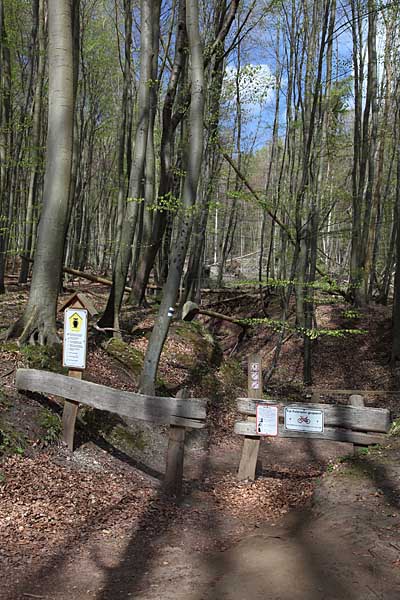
{"x":306,"y":419}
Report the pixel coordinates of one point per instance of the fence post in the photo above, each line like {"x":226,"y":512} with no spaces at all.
{"x":175,"y":456}
{"x":251,"y":444}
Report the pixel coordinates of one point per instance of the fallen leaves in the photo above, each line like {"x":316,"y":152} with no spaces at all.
{"x":265,"y":499}
{"x":44,"y":505}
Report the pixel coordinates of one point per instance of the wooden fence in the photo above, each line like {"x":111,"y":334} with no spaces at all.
{"x":179,"y":413}
{"x":359,"y":425}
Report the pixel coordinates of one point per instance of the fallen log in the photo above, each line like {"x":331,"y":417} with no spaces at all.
{"x":94,"y":278}
{"x":152,"y":286}
{"x":191,"y":309}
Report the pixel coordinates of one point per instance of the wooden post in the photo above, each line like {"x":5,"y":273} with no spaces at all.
{"x":356,"y":400}
{"x":175,"y":456}
{"x":70,"y":413}
{"x":78,"y":301}
{"x":251,"y":444}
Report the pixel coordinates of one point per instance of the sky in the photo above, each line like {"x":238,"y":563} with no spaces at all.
{"x":258,"y":65}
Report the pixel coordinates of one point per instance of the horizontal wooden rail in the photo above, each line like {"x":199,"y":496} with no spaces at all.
{"x":185,"y":412}
{"x":329,"y":433}
{"x":349,"y":417}
{"x":326,"y":391}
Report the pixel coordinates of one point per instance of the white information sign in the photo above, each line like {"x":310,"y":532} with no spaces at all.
{"x":310,"y":420}
{"x":267,"y":419}
{"x":75,"y":338}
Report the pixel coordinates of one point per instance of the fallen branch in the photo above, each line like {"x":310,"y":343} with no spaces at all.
{"x":191,"y":309}
{"x":8,"y":373}
{"x":282,"y":343}
{"x":240,"y":297}
{"x":88,"y":276}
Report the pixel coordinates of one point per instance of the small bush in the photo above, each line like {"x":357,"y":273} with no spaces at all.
{"x":50,"y":422}
{"x":351,"y":313}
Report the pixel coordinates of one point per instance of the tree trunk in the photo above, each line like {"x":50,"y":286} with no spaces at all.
{"x":35,"y":137}
{"x":189,"y":192}
{"x":5,"y":143}
{"x":38,"y":323}
{"x":148,"y":8}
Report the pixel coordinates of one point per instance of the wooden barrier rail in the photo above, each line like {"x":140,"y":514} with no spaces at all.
{"x":179,"y":413}
{"x":355,"y":424}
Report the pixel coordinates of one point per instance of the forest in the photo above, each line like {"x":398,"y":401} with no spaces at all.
{"x":164,"y":140}
{"x":221,"y":178}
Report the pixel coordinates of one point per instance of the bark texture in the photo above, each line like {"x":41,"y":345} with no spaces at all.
{"x":38,"y":323}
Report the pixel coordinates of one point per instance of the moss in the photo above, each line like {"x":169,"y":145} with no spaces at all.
{"x":9,"y":346}
{"x":44,"y":357}
{"x":203,"y":344}
{"x":11,"y":440}
{"x":232,"y":374}
{"x":163,"y":388}
{"x":4,"y":401}
{"x":127,"y":439}
{"x":224,"y":385}
{"x":130,"y":357}
{"x":112,"y":428}
{"x":98,"y":422}
{"x":204,"y":352}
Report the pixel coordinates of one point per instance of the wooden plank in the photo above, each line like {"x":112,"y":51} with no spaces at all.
{"x":247,"y":428}
{"x":351,"y":417}
{"x":251,"y":444}
{"x":175,"y":456}
{"x":189,"y":412}
{"x":326,"y":391}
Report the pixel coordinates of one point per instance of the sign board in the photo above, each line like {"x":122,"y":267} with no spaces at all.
{"x":267,"y":419}
{"x":75,"y":338}
{"x":255,"y":375}
{"x":310,"y":420}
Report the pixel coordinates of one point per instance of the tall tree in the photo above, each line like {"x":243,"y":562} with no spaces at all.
{"x":150,"y":12}
{"x":38,"y":323}
{"x":5,"y":141}
{"x":189,"y":195}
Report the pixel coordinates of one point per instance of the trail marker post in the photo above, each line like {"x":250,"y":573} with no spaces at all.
{"x":76,"y":310}
{"x":251,"y":443}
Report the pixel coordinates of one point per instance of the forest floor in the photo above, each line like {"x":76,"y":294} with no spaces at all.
{"x":318,"y":523}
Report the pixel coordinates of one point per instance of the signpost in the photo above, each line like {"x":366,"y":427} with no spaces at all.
{"x":251,"y":444}
{"x":76,"y":309}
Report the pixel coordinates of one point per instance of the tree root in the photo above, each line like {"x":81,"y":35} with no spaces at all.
{"x":33,"y":329}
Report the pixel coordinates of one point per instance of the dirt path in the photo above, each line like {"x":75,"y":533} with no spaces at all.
{"x":344,"y":546}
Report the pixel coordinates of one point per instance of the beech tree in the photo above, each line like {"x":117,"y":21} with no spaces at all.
{"x":150,"y":14}
{"x":189,"y":195}
{"x":5,"y":141}
{"x":38,"y":322}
